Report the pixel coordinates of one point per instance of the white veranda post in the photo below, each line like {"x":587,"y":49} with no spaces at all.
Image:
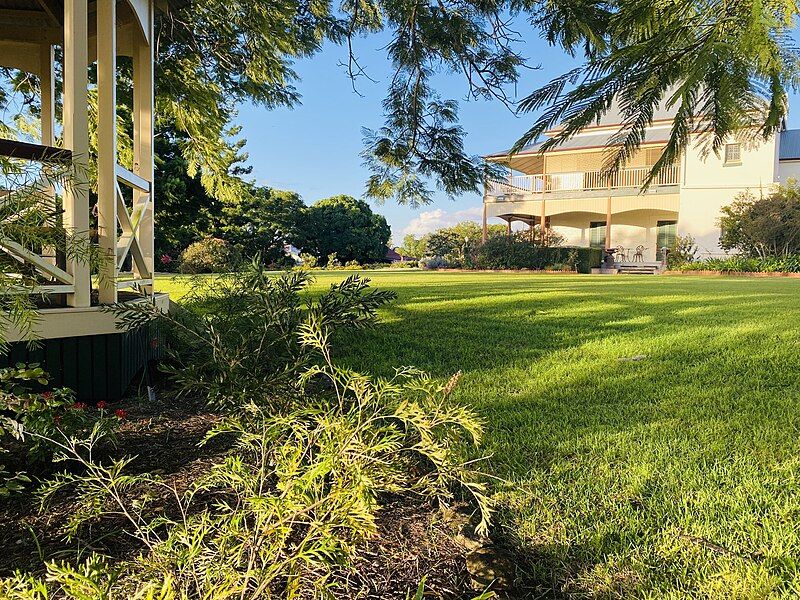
{"x":134,"y":224}
{"x":85,"y":29}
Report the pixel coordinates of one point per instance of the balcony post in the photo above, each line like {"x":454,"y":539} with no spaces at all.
{"x":48,"y":94}
{"x":484,"y":228}
{"x":608,"y":222}
{"x":107,"y":149}
{"x":143,"y":147}
{"x":543,"y":222}
{"x":76,"y":139}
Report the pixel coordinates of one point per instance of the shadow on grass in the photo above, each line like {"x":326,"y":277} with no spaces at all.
{"x":631,"y":417}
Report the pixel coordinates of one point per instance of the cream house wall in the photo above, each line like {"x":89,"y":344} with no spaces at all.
{"x":708,"y":184}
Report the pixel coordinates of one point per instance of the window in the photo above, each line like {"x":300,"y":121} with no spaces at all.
{"x":733,"y":154}
{"x":598,"y":230}
{"x":666,"y":237}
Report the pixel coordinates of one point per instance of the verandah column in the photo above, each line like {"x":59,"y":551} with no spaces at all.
{"x":107,"y":149}
{"x":76,"y":139}
{"x":543,"y":223}
{"x":485,"y":227}
{"x":47,"y":76}
{"x":608,"y":222}
{"x":143,"y":103}
{"x":48,"y":122}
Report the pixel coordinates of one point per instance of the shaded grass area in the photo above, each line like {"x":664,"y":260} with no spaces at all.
{"x":647,"y":427}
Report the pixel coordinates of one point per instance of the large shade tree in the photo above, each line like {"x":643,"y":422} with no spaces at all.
{"x":347,"y":227}
{"x":262,"y":221}
{"x":730,"y":63}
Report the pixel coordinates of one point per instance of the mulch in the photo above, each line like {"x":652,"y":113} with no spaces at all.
{"x":414,"y":541}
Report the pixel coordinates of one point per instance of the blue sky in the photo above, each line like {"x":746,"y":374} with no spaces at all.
{"x":314,"y":148}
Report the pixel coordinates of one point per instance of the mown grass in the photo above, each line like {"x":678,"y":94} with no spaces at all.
{"x":649,"y":428}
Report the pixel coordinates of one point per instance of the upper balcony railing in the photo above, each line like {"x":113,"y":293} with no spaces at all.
{"x":582,"y":181}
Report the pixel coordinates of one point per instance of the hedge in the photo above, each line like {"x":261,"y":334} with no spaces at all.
{"x":505,"y":253}
{"x":745,"y":264}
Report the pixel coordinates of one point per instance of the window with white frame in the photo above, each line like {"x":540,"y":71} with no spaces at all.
{"x":733,"y":154}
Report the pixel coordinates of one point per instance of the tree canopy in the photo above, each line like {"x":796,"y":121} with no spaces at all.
{"x":724,"y":66}
{"x":765,"y":226}
{"x":348,"y":227}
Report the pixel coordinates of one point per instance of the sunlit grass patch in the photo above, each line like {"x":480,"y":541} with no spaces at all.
{"x":648,"y":428}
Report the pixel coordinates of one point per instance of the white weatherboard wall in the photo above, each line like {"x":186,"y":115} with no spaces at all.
{"x":708,"y":184}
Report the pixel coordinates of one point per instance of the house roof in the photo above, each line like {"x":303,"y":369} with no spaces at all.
{"x":587,"y":141}
{"x":789,"y":145}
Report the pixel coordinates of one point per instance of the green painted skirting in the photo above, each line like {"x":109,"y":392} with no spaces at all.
{"x":96,"y":367}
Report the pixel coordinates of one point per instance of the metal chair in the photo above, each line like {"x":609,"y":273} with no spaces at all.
{"x":639,"y":255}
{"x":620,"y":254}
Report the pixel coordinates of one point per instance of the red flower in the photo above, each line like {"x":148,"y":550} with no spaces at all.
{"x":78,"y":406}
{"x":102,"y":404}
{"x":121,"y":414}
{"x":166,"y":259}
{"x":154,"y":343}
{"x":47,"y":395}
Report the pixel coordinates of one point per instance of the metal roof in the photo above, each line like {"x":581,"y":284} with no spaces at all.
{"x":586,"y":141}
{"x":789,"y":145}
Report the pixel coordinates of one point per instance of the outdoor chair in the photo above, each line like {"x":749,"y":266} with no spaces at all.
{"x":639,"y":255}
{"x":621,"y":254}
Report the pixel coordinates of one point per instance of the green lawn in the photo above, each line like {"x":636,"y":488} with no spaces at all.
{"x":672,"y":476}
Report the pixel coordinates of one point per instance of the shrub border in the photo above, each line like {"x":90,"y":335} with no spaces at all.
{"x":735,"y":273}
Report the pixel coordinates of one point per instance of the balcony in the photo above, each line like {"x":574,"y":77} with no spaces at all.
{"x":581,"y":181}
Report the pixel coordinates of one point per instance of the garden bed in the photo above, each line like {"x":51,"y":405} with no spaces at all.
{"x":413,"y":542}
{"x":733,"y":273}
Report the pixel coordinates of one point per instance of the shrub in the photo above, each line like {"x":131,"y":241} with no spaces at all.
{"x":764,"y":226}
{"x":286,"y":514}
{"x":32,"y":414}
{"x":235,"y":336}
{"x":433,"y":263}
{"x":746,"y":264}
{"x":209,"y":255}
{"x":404,"y":264}
{"x":683,"y":251}
{"x":513,"y":253}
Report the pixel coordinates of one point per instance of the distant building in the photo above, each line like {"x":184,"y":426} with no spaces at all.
{"x":566,"y":189}
{"x":393,"y":255}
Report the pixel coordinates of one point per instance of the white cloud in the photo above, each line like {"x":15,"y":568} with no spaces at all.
{"x":431,"y":220}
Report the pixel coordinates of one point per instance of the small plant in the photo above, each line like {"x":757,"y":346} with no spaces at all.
{"x":309,"y":261}
{"x":33,"y":414}
{"x":683,"y":251}
{"x":209,"y":255}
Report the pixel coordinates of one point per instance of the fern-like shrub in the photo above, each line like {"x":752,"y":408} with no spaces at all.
{"x":288,"y":511}
{"x":745,"y":264}
{"x":236,"y":338}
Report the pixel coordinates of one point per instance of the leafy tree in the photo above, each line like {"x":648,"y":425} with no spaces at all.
{"x":448,"y":242}
{"x":726,"y":67}
{"x":185,"y":211}
{"x":764,"y":226}
{"x":413,"y":246}
{"x":348,"y":227}
{"x":261,"y":221}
